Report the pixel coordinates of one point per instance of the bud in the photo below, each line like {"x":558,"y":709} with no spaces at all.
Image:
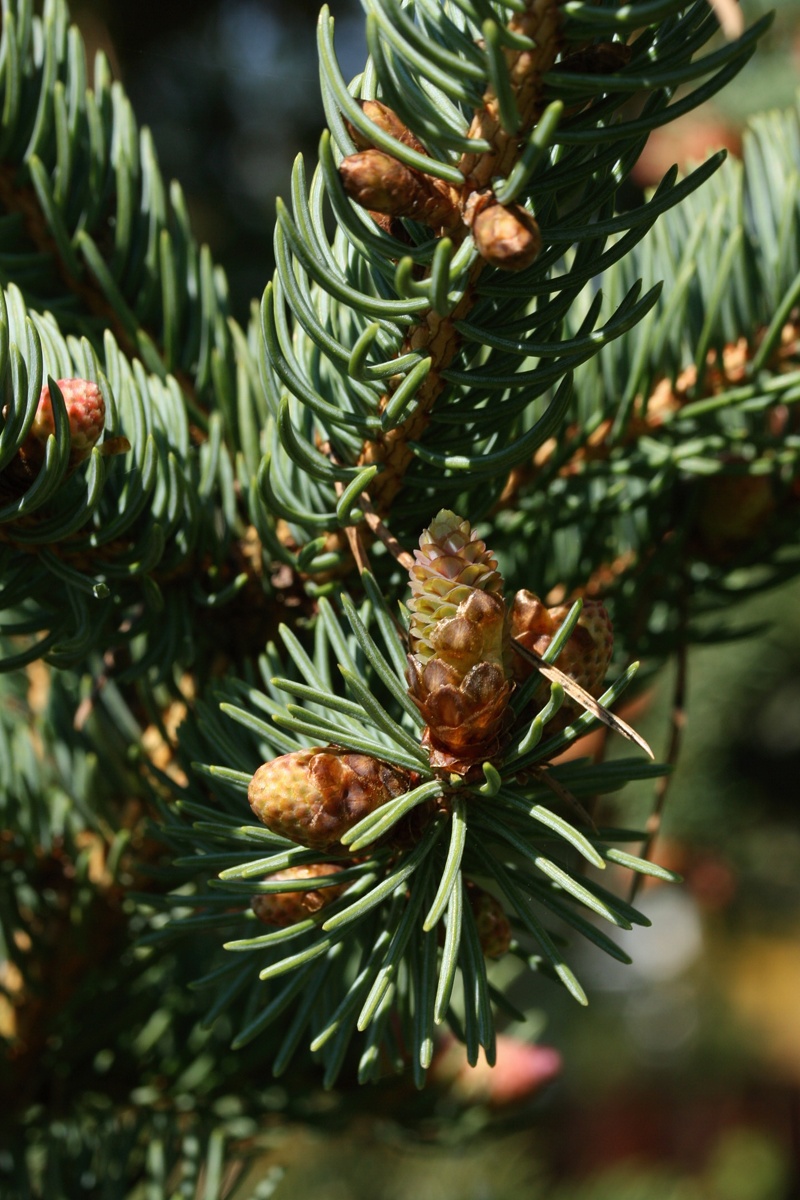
{"x":281,"y":909}
{"x":386,"y":120}
{"x":381,"y":183}
{"x":506,"y":235}
{"x":494,"y":927}
{"x":459,"y":670}
{"x":315,"y":796}
{"x":586,"y":655}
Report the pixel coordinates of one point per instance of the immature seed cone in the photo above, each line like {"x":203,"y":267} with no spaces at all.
{"x":585,"y":657}
{"x":506,"y":235}
{"x":459,"y":671}
{"x":86,"y":410}
{"x":494,"y":927}
{"x":314,"y":796}
{"x":281,"y":909}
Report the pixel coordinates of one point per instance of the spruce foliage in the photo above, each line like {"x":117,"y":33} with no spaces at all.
{"x":225,"y":580}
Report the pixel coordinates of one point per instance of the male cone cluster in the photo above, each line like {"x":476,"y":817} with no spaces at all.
{"x":282,"y":909}
{"x":585,"y":657}
{"x":461,"y":674}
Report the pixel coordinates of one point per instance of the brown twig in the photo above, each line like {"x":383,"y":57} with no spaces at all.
{"x":435,"y":335}
{"x":380,"y":531}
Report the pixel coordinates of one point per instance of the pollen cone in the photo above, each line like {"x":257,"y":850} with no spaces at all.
{"x":585,"y":657}
{"x":315,"y":796}
{"x":459,"y":671}
{"x":282,"y":909}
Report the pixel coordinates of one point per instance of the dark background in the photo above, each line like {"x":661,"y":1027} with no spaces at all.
{"x":230,"y":89}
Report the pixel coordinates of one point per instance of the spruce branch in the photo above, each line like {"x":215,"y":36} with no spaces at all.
{"x":698,"y":404}
{"x":519,"y":73}
{"x":109,"y":243}
{"x":407,"y":294}
{"x":390,"y":367}
{"x":386,"y":808}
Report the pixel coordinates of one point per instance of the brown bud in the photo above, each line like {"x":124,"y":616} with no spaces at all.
{"x":315,"y":796}
{"x":386,"y":120}
{"x":383,"y":184}
{"x":464,"y":715}
{"x":506,"y":235}
{"x":282,"y":909}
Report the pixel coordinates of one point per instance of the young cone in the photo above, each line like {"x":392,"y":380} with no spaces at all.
{"x":314,"y":796}
{"x":459,"y":670}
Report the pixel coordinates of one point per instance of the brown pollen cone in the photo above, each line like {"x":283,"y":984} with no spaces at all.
{"x":459,"y":673}
{"x":586,"y":655}
{"x":315,"y":796}
{"x":281,"y":909}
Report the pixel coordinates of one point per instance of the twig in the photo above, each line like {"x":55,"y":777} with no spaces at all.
{"x":354,"y":538}
{"x":382,"y":533}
